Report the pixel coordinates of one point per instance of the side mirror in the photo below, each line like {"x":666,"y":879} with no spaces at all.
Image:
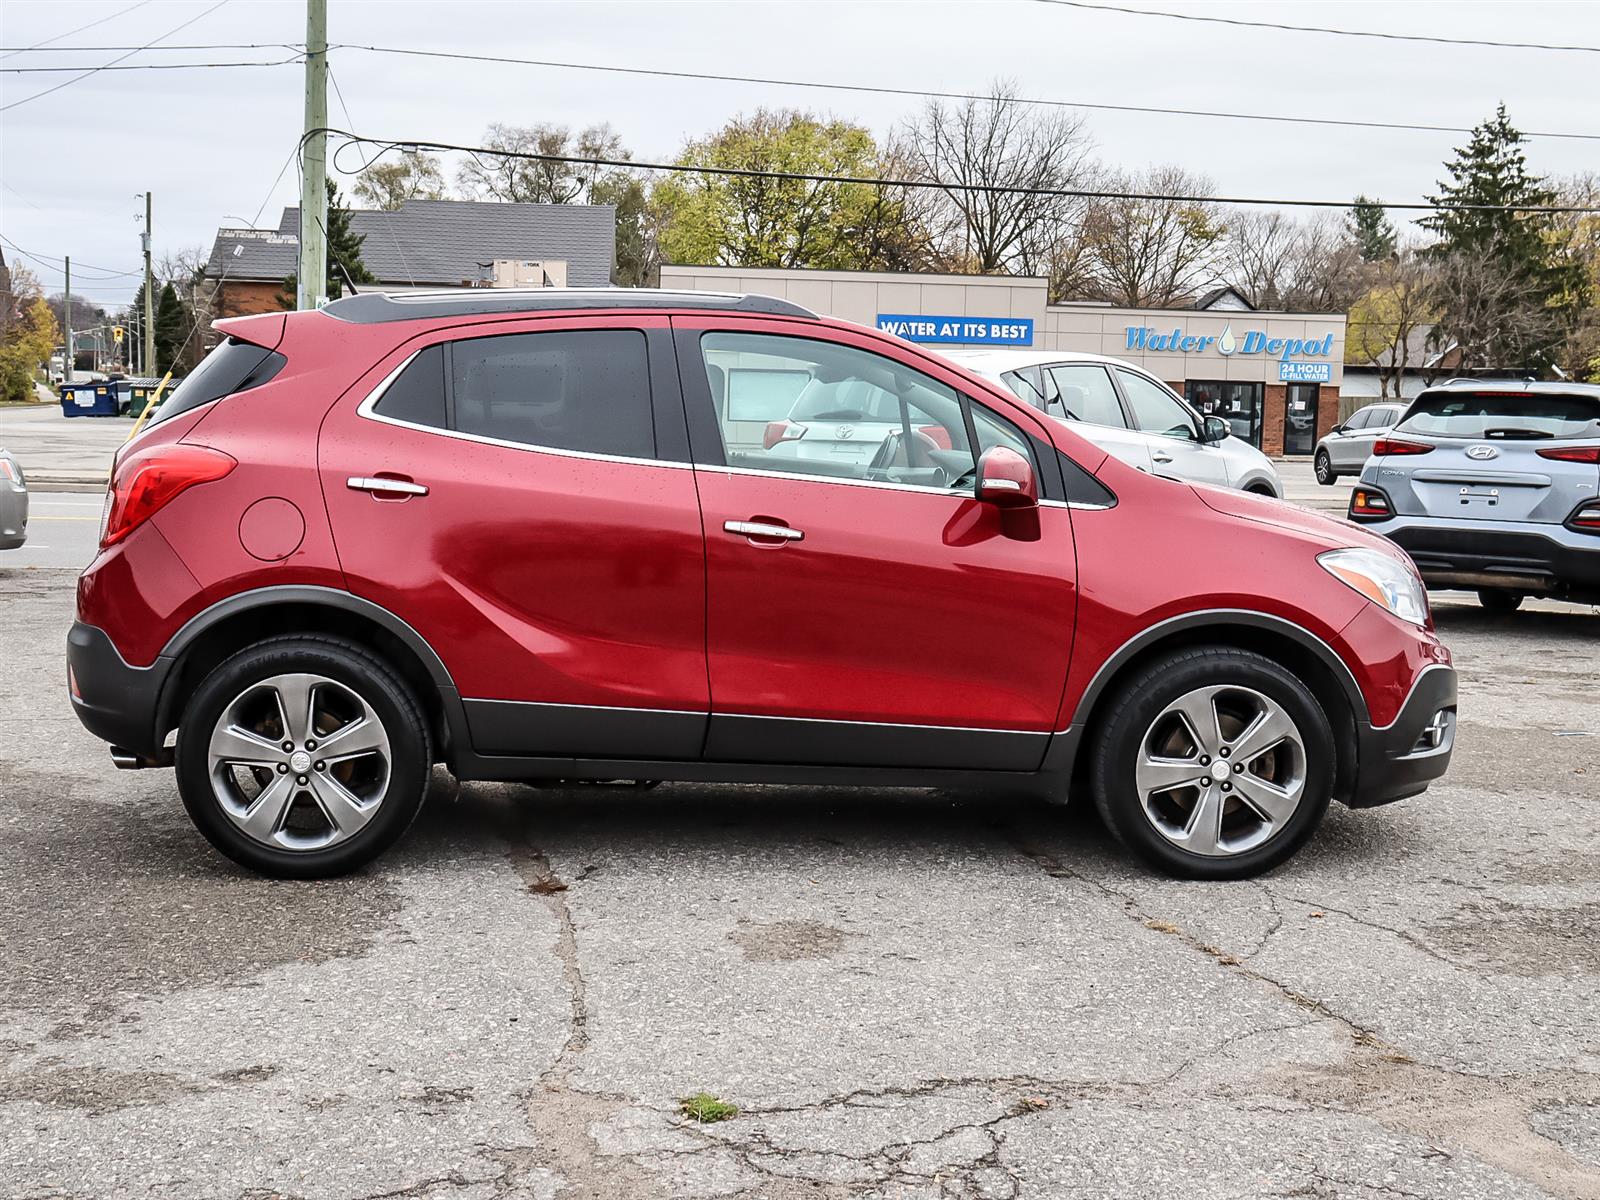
{"x":1006,"y":479}
{"x":1216,"y":430}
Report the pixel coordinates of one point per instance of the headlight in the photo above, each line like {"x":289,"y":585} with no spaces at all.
{"x":1381,"y":578}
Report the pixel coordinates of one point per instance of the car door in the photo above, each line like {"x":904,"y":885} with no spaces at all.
{"x":874,"y":614}
{"x":1171,"y":432}
{"x":1351,"y":449}
{"x":506,"y":489}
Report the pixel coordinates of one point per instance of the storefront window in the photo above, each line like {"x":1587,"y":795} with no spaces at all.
{"x":1239,"y":404}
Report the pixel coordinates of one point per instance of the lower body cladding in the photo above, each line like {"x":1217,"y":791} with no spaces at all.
{"x":1518,"y":556}
{"x":505,"y":740}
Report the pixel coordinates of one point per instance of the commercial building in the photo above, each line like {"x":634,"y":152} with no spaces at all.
{"x":1274,"y":376}
{"x":428,"y":244}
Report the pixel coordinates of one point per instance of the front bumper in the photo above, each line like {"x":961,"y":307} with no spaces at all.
{"x":1401,"y":759}
{"x":1518,"y":555}
{"x":116,"y":702}
{"x":13,"y":516}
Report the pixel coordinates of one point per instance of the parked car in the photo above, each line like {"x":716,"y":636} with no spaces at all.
{"x":1129,"y":413}
{"x":1492,"y":485}
{"x":509,"y":532}
{"x":1346,"y":448}
{"x":13,"y":502}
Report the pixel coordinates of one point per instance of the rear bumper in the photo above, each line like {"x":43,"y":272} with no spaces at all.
{"x":1517,"y":555}
{"x":116,"y":702}
{"x":13,"y":516}
{"x":1401,"y":759}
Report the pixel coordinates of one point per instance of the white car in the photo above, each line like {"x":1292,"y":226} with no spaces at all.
{"x":1128,"y":413}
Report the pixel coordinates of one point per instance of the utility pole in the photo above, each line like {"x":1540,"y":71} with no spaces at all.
{"x":312,"y":282}
{"x":66,"y":319}
{"x":149,"y":289}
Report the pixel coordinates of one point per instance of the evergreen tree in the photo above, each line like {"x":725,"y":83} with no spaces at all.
{"x":1370,"y":230}
{"x":1490,"y":177}
{"x":344,"y":249}
{"x":171,"y":329}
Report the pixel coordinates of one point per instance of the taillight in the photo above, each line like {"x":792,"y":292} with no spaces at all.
{"x":1385,"y":446}
{"x":1369,"y":502}
{"x":146,"y":481}
{"x":1577,"y":454}
{"x":9,"y":470}
{"x":1587,"y":518}
{"x":781,"y":431}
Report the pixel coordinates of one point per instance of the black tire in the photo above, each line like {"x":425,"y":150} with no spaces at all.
{"x":390,"y":699}
{"x":1500,"y":601}
{"x":1133,"y":708}
{"x":1323,"y":466}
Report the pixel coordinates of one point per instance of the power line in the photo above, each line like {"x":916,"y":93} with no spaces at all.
{"x":79,"y":29}
{"x":188,"y":66}
{"x":1365,"y":33}
{"x":94,"y":70}
{"x":173,"y":48}
{"x":110,"y":272}
{"x":925,"y":184}
{"x":883,"y":90}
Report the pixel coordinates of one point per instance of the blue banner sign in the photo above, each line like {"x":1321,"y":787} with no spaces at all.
{"x":1305,"y":372}
{"x":967,"y":331}
{"x":1253,"y":341}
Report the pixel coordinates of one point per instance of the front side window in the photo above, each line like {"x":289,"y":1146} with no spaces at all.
{"x":856,"y":415}
{"x":1156,"y":410}
{"x":584,"y":389}
{"x":1086,"y":394}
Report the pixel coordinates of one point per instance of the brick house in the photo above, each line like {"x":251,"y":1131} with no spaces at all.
{"x":427,"y":244}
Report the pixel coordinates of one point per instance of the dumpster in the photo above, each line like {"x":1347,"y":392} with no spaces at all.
{"x":134,"y":394}
{"x":95,"y":399}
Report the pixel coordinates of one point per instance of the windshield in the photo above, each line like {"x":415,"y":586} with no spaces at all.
{"x":1503,"y":415}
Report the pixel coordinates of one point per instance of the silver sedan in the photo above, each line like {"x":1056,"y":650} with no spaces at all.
{"x":13,"y":503}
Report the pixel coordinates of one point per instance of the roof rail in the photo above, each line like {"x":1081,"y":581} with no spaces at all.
{"x":372,"y":308}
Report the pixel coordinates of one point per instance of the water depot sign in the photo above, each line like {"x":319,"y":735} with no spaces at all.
{"x":964,"y":331}
{"x":1254,"y":341}
{"x":1305,"y":372}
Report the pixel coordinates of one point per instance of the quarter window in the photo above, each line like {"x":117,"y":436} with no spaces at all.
{"x":1156,"y":410}
{"x":417,"y":393}
{"x":586,"y":390}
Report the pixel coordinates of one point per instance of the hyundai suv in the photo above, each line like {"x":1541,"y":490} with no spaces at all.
{"x":1492,"y":486}
{"x":509,"y":533}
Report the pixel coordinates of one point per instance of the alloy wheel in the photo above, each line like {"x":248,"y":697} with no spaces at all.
{"x":299,"y":762}
{"x":1324,"y":467}
{"x":1221,"y":770}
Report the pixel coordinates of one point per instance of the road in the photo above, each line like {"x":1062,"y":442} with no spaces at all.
{"x":905,"y":993}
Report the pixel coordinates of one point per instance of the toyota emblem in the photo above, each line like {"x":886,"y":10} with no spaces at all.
{"x":1481,"y":452}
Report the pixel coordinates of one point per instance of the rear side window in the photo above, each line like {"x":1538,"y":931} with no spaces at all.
{"x":1503,"y":415}
{"x":232,"y":367}
{"x":585,"y":390}
{"x":417,"y":394}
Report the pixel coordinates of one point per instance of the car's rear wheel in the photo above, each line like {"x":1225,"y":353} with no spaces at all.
{"x":1213,"y":763}
{"x":302,"y":757}
{"x":1500,"y":600}
{"x":1323,"y":466}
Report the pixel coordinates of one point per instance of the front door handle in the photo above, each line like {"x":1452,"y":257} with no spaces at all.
{"x":1162,"y":458}
{"x":404,"y":487}
{"x":762,"y":529}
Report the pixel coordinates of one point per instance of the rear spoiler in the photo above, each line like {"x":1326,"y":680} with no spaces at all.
{"x":263,"y":329}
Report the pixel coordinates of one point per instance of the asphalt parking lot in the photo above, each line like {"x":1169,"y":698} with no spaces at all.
{"x":905,"y":994}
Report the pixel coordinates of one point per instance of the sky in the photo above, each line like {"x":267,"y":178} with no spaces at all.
{"x":212,"y":144}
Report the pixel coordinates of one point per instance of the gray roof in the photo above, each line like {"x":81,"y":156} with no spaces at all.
{"x":438,"y":242}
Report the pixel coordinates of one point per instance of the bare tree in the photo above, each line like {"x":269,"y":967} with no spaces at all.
{"x":997,"y":142}
{"x":415,"y":175}
{"x":1152,"y":253}
{"x":1389,"y":324}
{"x":1578,"y":235}
{"x":1485,"y":311}
{"x":1281,"y":263}
{"x":534,"y":181}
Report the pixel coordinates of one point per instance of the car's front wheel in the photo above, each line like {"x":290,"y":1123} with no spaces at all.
{"x":1213,"y":763}
{"x":1323,"y":466}
{"x":302,"y":757}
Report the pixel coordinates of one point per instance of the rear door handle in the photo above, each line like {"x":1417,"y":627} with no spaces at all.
{"x":405,"y":487}
{"x":761,"y":529}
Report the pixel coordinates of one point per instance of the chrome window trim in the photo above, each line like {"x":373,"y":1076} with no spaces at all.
{"x":366,"y":409}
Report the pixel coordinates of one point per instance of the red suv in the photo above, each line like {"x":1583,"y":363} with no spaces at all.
{"x":576,"y":535}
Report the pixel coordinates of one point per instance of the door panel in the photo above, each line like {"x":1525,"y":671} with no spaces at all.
{"x":543,"y":579}
{"x":893,"y":630}
{"x":1171,"y":433}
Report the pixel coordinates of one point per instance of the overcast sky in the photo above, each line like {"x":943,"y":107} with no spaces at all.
{"x":209,"y":143}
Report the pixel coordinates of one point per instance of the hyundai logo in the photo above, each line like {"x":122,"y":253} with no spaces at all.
{"x":1481,"y":452}
{"x":845,"y":431}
